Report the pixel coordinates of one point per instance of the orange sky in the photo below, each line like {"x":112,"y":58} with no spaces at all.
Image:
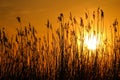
{"x":38,"y":11}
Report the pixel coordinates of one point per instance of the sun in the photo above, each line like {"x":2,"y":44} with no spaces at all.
{"x":91,"y":42}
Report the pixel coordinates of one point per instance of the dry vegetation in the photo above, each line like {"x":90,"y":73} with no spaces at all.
{"x":64,"y":56}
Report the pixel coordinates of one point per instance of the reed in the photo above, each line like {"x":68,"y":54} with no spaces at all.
{"x":65,"y":55}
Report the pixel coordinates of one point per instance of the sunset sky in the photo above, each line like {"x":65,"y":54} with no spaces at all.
{"x":38,"y":11}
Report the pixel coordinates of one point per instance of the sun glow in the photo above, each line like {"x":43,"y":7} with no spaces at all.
{"x":91,"y":42}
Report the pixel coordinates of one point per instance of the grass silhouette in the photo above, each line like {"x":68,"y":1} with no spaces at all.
{"x":27,"y":56}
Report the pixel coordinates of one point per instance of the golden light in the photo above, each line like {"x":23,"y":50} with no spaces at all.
{"x":91,"y":42}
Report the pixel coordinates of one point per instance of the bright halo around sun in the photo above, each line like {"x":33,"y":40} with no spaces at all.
{"x":91,"y":42}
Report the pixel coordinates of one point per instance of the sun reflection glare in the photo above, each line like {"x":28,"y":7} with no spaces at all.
{"x":91,"y":42}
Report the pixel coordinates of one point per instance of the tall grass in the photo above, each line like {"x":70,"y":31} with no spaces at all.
{"x":65,"y":55}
